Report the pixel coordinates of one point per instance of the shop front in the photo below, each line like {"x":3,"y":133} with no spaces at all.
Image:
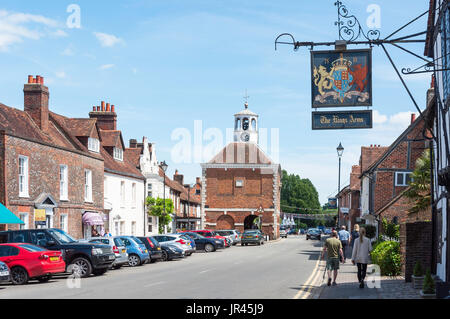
{"x":93,"y":224}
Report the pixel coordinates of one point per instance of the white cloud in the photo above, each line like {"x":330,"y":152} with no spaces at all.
{"x":68,"y":51}
{"x":379,"y":118}
{"x":106,"y":66}
{"x":107,"y":40}
{"x":60,"y":74}
{"x":60,"y":33}
{"x":15,"y":28}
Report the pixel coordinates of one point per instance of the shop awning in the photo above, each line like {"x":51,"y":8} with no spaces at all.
{"x":7,"y":217}
{"x":92,"y":218}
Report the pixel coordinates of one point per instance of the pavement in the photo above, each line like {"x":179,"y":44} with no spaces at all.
{"x":376,"y":287}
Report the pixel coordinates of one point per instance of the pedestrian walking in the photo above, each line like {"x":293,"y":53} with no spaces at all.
{"x":360,"y":255}
{"x":354,"y":234}
{"x":333,"y":248}
{"x":344,"y":237}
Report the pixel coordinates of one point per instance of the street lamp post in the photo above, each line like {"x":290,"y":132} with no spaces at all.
{"x":164,"y":166}
{"x":340,"y":151}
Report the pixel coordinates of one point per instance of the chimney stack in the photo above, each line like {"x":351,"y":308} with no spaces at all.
{"x":197,"y":180}
{"x":178,"y":178}
{"x":36,"y":97}
{"x":133,"y":143}
{"x":106,"y":117}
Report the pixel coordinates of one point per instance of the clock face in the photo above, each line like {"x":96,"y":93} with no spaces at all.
{"x":245,"y":137}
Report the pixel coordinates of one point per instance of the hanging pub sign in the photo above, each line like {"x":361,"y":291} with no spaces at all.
{"x":332,"y":203}
{"x":341,"y":78}
{"x":335,"y":120}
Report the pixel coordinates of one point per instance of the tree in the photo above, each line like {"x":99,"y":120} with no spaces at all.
{"x":420,"y":187}
{"x":155,"y":207}
{"x":298,"y":195}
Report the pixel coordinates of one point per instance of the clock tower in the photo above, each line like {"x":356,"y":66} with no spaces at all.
{"x":246,"y":126}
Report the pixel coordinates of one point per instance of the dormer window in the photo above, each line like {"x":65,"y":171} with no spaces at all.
{"x":118,"y":154}
{"x":93,"y":144}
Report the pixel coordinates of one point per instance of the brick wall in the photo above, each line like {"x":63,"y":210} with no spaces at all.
{"x":2,"y":169}
{"x":44,"y":164}
{"x":415,"y":245}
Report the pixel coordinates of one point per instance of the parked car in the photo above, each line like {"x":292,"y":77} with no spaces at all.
{"x":153,"y":247}
{"x":293,"y":232}
{"x":170,"y":251}
{"x":302,"y":231}
{"x":211,"y":234}
{"x":327,"y":231}
{"x":4,"y":273}
{"x":232,"y":234}
{"x":118,"y":247}
{"x":27,"y":261}
{"x":82,"y":258}
{"x":206,"y":244}
{"x":283,"y":233}
{"x":190,"y":240}
{"x":177,"y":240}
{"x":313,"y":233}
{"x":252,"y":236}
{"x":137,"y":252}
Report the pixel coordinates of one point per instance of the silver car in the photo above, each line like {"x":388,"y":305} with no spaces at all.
{"x":177,"y":240}
{"x":118,"y":247}
{"x":232,"y":234}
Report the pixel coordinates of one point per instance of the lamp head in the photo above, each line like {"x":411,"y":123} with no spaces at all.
{"x":340,"y":150}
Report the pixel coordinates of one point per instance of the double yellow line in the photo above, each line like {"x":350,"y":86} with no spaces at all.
{"x":305,"y":291}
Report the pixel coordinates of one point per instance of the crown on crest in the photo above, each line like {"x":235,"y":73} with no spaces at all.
{"x":341,"y":63}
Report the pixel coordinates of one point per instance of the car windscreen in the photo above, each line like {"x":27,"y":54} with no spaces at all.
{"x":61,"y":236}
{"x":154,"y":241}
{"x":32,"y":248}
{"x":100,"y":241}
{"x":137,"y":240}
{"x":252,"y":232}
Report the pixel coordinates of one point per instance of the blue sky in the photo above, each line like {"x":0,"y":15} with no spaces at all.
{"x":167,"y":63}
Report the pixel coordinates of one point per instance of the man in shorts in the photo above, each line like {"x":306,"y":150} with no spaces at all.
{"x":333,"y":247}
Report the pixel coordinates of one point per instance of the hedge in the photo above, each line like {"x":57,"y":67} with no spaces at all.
{"x":387,"y":256}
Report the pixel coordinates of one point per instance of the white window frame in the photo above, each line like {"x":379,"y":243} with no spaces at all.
{"x":133,"y":228}
{"x":239,"y":183}
{"x":133,"y":194}
{"x":118,"y":154}
{"x":65,"y":225}
{"x":63,"y":182}
{"x":122,"y":193}
{"x":25,"y":218}
{"x":93,"y":144}
{"x":88,"y":185}
{"x":23,"y":176}
{"x":105,"y":187}
{"x":404,"y":178}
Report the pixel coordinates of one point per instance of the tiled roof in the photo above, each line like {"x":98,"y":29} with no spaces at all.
{"x":82,"y":127}
{"x":241,"y":153}
{"x":133,"y":156}
{"x":120,"y":167}
{"x":59,"y":132}
{"x":110,"y":138}
{"x":369,"y":155}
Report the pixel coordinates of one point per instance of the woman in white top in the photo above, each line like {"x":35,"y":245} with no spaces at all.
{"x":360,"y":255}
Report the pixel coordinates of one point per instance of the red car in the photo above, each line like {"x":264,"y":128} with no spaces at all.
{"x":27,"y":261}
{"x":211,"y":234}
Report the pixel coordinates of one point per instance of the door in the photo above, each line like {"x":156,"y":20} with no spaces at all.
{"x":447,"y":257}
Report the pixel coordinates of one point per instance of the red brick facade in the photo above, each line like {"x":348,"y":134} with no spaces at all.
{"x":47,"y":141}
{"x":234,"y":195}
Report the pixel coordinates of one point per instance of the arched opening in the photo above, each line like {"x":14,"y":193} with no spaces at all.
{"x":251,"y":222}
{"x":253,"y":125}
{"x":238,"y":124}
{"x":225,"y":222}
{"x":245,"y":124}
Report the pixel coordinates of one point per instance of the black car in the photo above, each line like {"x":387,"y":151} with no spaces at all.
{"x":170,"y":252}
{"x":203,"y":243}
{"x":153,"y":247}
{"x":313,"y":233}
{"x":85,"y":258}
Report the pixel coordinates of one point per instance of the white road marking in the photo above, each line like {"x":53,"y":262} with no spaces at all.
{"x":154,"y":284}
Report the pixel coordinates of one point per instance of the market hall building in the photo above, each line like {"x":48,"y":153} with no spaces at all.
{"x":241,"y":185}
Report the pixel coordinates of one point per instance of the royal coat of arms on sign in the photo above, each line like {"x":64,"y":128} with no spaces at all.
{"x":341,"y":78}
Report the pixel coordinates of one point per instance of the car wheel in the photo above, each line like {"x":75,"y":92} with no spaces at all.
{"x":44,"y":278}
{"x":99,"y":272}
{"x":134,"y":260}
{"x":242,"y":244}
{"x":19,"y":276}
{"x":152,"y":261}
{"x":117,"y":266}
{"x":165,"y":256}
{"x":209,"y":248}
{"x":81,"y":266}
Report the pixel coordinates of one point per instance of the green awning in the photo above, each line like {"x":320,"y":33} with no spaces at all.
{"x":7,"y":217}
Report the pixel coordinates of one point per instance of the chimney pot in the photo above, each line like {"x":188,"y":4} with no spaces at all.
{"x":133,"y":143}
{"x":107,"y":107}
{"x":93,"y":108}
{"x":38,"y":79}
{"x":103,"y":106}
{"x":42,"y":80}
{"x":112,"y":108}
{"x":98,"y":108}
{"x":432,"y":81}
{"x":413,"y":117}
{"x":30,"y":79}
